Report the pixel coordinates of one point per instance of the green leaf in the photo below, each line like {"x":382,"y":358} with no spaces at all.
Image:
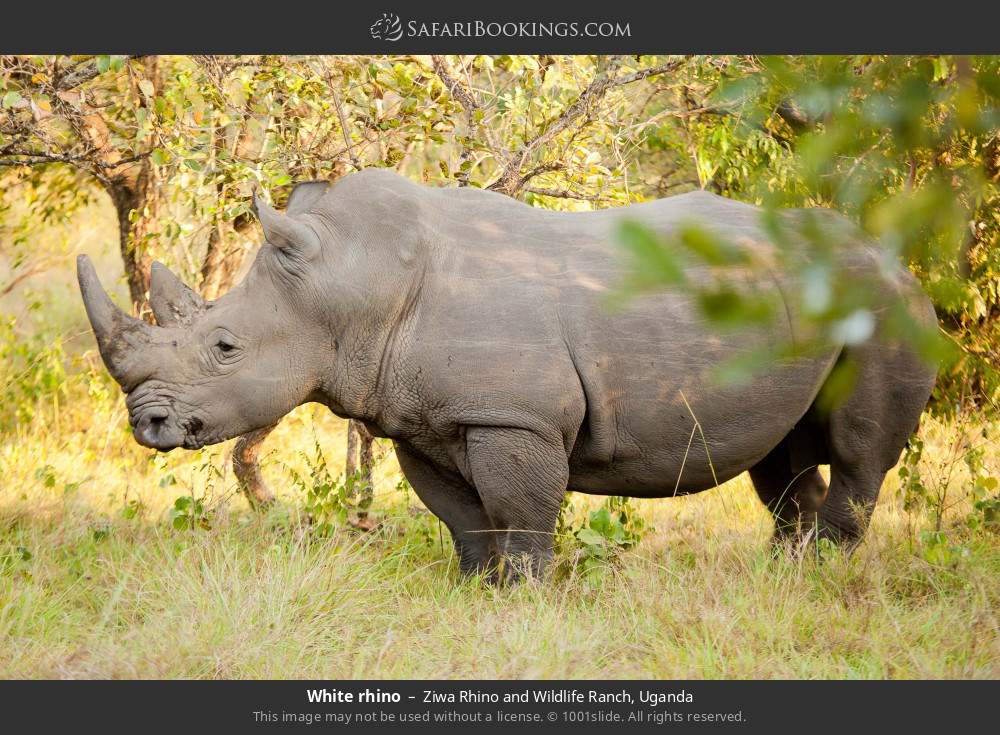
{"x":710,"y":248}
{"x":11,"y":99}
{"x":838,"y":386}
{"x":654,"y":263}
{"x":590,"y":537}
{"x":600,"y":521}
{"x":741,"y":368}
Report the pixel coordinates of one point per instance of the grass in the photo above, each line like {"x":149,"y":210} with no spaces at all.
{"x":96,"y":582}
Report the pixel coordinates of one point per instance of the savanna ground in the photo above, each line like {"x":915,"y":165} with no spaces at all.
{"x":97,"y":582}
{"x":104,"y":575}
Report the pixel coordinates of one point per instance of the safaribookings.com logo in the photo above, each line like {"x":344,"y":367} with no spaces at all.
{"x":390,"y":28}
{"x":387,"y":28}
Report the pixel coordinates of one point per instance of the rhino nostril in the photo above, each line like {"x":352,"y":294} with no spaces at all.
{"x":195,"y":425}
{"x":157,"y":417}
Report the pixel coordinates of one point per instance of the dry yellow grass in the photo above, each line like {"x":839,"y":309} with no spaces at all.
{"x":86,"y":592}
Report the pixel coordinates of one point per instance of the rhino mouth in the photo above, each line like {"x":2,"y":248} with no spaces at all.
{"x":155,"y":424}
{"x":193,"y":434}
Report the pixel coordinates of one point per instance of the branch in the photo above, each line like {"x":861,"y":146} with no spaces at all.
{"x":35,"y":158}
{"x":653,"y":71}
{"x":691,"y":112}
{"x":564,"y":194}
{"x":80,"y":74}
{"x":595,"y":92}
{"x":455,"y":88}
{"x":797,"y":118}
{"x":543,"y":168}
{"x":33,"y":271}
{"x":471,"y":107}
{"x":343,"y":127}
{"x":510,"y":181}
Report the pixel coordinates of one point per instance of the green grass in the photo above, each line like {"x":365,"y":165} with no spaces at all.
{"x":87,"y":592}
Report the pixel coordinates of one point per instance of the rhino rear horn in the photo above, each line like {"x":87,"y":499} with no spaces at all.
{"x":286,"y":232}
{"x":120,"y":337}
{"x":172,"y":302}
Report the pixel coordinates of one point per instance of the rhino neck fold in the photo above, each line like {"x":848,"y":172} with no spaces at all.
{"x":353,"y":387}
{"x":369,"y":364}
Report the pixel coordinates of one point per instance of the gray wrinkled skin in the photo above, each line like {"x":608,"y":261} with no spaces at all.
{"x":473,"y":331}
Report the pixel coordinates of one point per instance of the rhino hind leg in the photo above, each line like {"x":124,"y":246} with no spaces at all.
{"x":521,"y":477}
{"x":457,"y":504}
{"x":867,"y":434}
{"x":792,"y":492}
{"x":861,"y":440}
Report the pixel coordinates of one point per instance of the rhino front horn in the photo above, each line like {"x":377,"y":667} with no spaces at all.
{"x":285,"y":232}
{"x":172,"y":302}
{"x":119,"y":336}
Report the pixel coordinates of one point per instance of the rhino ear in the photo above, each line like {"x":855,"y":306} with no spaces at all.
{"x":173,"y":303}
{"x":304,"y":195}
{"x":287,"y":233}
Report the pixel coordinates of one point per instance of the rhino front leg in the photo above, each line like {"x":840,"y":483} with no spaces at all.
{"x":521,"y":477}
{"x":448,"y":496}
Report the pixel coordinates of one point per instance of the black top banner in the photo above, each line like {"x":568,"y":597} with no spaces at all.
{"x":395,"y":27}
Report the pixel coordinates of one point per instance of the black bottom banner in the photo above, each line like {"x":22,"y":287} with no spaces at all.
{"x":641,"y":706}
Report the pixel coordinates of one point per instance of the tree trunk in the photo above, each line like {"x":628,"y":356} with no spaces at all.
{"x":223,"y":260}
{"x":225,"y":253}
{"x":137,"y":206}
{"x":359,"y":466}
{"x":134,"y":189}
{"x":247,"y":469}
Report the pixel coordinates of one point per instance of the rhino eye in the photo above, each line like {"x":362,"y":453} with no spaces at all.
{"x":225,"y":349}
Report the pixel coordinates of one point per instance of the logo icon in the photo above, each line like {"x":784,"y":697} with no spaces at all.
{"x":387,"y":28}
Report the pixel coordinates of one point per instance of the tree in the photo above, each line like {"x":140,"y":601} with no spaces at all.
{"x":905,"y":146}
{"x":57,"y":111}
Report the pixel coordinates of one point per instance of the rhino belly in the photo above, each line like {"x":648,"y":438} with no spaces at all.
{"x":654,"y":428}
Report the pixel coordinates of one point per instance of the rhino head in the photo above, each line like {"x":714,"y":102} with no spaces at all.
{"x":210,"y":371}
